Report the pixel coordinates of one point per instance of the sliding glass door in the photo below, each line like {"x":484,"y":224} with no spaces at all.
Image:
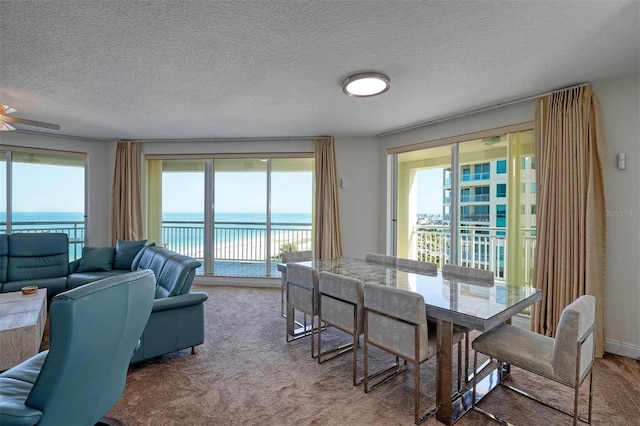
{"x":176,"y":206}
{"x":240,"y":218}
{"x":424,"y":209}
{"x":236,"y":215}
{"x":470,"y":203}
{"x":44,"y":191}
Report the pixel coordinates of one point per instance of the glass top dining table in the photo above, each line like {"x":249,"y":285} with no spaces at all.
{"x":451,"y":301}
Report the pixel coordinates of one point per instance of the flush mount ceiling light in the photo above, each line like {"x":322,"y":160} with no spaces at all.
{"x":366,"y":84}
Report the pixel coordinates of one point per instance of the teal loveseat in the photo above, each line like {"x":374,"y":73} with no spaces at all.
{"x":177,"y":316}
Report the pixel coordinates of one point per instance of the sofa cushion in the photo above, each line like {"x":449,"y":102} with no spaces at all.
{"x":54,"y":285}
{"x":126,"y":251}
{"x":78,"y":279}
{"x":96,"y":259}
{"x":35,"y":256}
{"x":176,"y":276}
{"x":136,"y":260}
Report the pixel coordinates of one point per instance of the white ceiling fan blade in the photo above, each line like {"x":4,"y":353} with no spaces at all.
{"x":4,"y":127}
{"x":17,"y":120}
{"x":6,"y":109}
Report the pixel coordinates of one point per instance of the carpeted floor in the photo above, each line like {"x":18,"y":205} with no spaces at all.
{"x":246,"y":374}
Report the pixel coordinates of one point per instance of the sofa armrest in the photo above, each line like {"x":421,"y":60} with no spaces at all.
{"x":182,"y":300}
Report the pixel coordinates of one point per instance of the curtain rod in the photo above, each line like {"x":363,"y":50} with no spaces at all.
{"x":246,"y":139}
{"x":479,"y":110}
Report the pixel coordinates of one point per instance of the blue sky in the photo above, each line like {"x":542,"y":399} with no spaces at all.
{"x":235,"y":192}
{"x":60,"y":189}
{"x":48,"y":188}
{"x":239,"y":192}
{"x":430,"y":191}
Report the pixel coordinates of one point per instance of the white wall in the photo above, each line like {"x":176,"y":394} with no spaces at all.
{"x":620,"y":106}
{"x":360,"y":216}
{"x":619,"y":100}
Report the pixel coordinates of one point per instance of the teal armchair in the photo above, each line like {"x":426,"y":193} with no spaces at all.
{"x":94,"y":330}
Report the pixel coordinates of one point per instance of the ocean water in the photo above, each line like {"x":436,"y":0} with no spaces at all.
{"x":223,"y":218}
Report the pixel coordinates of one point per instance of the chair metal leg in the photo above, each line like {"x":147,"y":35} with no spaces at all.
{"x":590,"y":394}
{"x":459,"y":366}
{"x":474,"y":380}
{"x":282,"y":301}
{"x":466,"y":358}
{"x":574,"y":415}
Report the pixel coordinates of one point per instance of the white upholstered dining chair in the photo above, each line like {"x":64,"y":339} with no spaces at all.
{"x":568,"y":358}
{"x":381,"y":259}
{"x":395,"y":320}
{"x":289,"y":257}
{"x":419,"y":266}
{"x":302,"y":296}
{"x":341,"y":306}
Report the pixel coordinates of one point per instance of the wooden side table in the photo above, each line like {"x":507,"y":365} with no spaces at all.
{"x":22,"y":322}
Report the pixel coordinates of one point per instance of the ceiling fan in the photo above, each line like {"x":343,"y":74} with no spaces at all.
{"x":5,"y":120}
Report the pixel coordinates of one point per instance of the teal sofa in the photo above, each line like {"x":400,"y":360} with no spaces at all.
{"x":177,"y":316}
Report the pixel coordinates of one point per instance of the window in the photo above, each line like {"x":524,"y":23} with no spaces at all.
{"x":481,"y":171}
{"x":47,"y":194}
{"x":481,"y":193}
{"x":501,"y":215}
{"x":236,"y":215}
{"x":466,"y":173}
{"x":481,"y":236}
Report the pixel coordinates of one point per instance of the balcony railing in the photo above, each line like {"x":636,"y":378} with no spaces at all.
{"x":466,"y":177}
{"x":475,"y":217}
{"x":237,"y":241}
{"x":479,"y":247}
{"x":233,"y":241}
{"x":474,"y":198}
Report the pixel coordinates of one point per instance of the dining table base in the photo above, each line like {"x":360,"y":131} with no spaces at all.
{"x":462,"y":404}
{"x":451,"y":407}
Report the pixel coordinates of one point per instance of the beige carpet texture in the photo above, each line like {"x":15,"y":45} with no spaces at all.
{"x":247,"y":374}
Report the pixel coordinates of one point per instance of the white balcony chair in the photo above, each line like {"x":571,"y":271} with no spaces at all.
{"x":289,"y":257}
{"x":482,"y":277}
{"x":381,"y":259}
{"x":341,"y":306}
{"x":395,"y":321}
{"x":568,"y":358}
{"x":302,"y":296}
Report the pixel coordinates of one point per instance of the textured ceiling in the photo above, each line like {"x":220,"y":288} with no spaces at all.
{"x":254,"y":69}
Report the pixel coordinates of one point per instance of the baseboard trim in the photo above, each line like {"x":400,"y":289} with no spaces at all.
{"x":238,"y":282}
{"x":618,"y":347}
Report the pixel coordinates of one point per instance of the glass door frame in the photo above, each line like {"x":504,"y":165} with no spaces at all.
{"x":454,"y":142}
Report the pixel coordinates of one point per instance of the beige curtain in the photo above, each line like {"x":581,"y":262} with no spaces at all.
{"x":328,"y":237}
{"x":126,"y":214}
{"x":570,"y":250}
